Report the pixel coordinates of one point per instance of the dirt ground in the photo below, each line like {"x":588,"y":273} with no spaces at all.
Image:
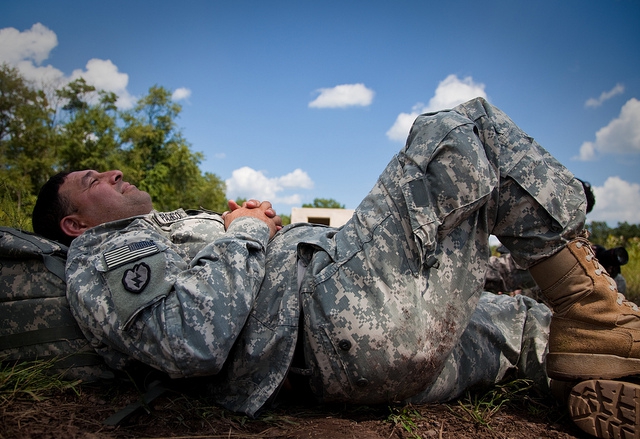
{"x":82,"y":414}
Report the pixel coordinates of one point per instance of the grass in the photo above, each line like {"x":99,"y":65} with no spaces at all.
{"x":405,"y":417}
{"x":28,"y":391}
{"x":480,"y":407}
{"x":32,"y":379}
{"x":631,"y":271}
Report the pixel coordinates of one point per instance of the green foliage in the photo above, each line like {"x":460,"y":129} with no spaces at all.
{"x":327,"y":203}
{"x":624,"y":235}
{"x":599,"y":232}
{"x":87,"y":131}
{"x":211,"y":193}
{"x":26,"y":141}
{"x":631,"y":271}
{"x":89,"y":137}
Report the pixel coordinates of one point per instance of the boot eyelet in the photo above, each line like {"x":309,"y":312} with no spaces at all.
{"x":598,"y":271}
{"x":578,"y":244}
{"x":589,"y":258}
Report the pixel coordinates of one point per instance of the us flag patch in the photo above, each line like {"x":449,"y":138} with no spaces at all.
{"x":128,"y":253}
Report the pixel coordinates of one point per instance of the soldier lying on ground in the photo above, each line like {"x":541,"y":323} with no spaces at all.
{"x":387,"y":308}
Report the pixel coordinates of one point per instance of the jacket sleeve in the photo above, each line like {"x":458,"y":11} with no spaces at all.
{"x":135,"y":296}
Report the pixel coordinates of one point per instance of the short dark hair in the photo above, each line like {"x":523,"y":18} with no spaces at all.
{"x":588,"y":192}
{"x":50,"y":208}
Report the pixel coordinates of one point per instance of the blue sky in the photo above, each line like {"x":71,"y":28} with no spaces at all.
{"x":293,"y":100}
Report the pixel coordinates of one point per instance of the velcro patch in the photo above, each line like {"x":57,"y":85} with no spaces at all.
{"x":419,"y":192}
{"x":165,"y":218}
{"x":129,"y":253}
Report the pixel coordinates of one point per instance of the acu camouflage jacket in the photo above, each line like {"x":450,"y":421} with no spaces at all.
{"x":176,"y":292}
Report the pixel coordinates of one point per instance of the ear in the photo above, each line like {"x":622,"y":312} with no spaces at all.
{"x":73,"y":225}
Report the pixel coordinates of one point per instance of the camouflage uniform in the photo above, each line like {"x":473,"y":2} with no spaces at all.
{"x":505,"y":277}
{"x":382,"y":303}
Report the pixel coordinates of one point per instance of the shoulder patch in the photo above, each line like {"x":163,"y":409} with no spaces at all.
{"x":137,"y":278}
{"x":129,"y":253}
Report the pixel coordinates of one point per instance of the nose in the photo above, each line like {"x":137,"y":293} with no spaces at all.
{"x":113,"y":176}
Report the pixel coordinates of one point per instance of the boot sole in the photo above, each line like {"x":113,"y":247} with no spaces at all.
{"x":565,"y":366}
{"x":606,"y":409}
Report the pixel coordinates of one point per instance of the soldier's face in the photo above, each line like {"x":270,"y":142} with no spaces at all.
{"x":99,"y":197}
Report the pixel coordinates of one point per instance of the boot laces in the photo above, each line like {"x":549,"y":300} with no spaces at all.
{"x":600,"y":271}
{"x":623,"y":301}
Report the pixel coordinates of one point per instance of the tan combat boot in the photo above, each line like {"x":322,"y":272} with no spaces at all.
{"x":595,"y":332}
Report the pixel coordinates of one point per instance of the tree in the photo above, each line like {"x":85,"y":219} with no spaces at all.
{"x":211,"y":193}
{"x":89,"y":136}
{"x":160,"y":161}
{"x":327,"y":203}
{"x":27,"y":146}
{"x":600,"y":232}
{"x":91,"y":133}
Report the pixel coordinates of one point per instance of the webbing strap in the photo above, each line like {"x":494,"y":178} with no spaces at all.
{"x":54,"y":265}
{"x":45,"y":335}
{"x":78,"y":360}
{"x":156,"y":389}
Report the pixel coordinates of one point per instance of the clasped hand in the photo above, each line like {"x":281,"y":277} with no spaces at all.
{"x":256,"y":209}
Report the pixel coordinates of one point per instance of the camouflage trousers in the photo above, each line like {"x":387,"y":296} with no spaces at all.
{"x":386,"y":308}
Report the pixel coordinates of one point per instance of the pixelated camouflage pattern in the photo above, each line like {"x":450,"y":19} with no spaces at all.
{"x":506,"y":338}
{"x":203,"y":284}
{"x":35,"y":319}
{"x":396,"y":295}
{"x":505,"y":277}
{"x":385,"y":299}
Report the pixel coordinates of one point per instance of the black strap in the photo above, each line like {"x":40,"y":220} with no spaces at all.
{"x":55,"y":266}
{"x":77,"y":360}
{"x":155,"y":390}
{"x":38,"y":336}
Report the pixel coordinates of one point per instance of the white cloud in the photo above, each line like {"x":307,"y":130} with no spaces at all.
{"x":27,"y":50}
{"x":104,"y":75}
{"x":617,"y":201}
{"x":341,"y":96}
{"x":246,"y":182}
{"x":181,"y":94}
{"x":34,"y":44}
{"x":621,"y":136}
{"x":449,"y":93}
{"x":604,"y":96}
